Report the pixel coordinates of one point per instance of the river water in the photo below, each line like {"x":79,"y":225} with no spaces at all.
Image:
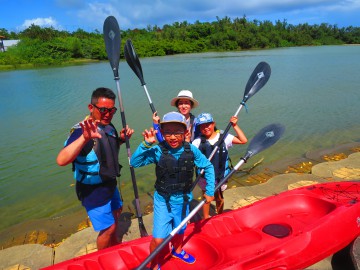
{"x":313,"y":91}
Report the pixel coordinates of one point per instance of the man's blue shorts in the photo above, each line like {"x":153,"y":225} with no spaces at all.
{"x":102,"y":217}
{"x":165,"y":222}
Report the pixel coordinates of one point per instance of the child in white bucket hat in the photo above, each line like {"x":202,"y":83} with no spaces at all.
{"x":187,"y":95}
{"x":184,"y":102}
{"x":209,"y":136}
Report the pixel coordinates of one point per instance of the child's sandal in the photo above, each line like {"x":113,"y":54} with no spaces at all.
{"x":190,"y":259}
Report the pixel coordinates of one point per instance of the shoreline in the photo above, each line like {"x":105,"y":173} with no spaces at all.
{"x":30,"y":66}
{"x":52,"y":232}
{"x":84,"y":61}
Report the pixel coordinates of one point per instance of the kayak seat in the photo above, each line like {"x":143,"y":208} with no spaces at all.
{"x":277,"y":230}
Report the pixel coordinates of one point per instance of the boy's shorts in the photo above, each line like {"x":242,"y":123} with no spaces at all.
{"x":165,"y":222}
{"x":102,"y":217}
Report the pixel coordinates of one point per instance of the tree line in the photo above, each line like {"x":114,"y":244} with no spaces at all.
{"x":47,"y":46}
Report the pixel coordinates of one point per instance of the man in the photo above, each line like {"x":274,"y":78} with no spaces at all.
{"x":93,"y":148}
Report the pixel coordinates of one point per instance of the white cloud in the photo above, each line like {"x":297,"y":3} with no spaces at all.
{"x":42,"y":22}
{"x":96,"y":13}
{"x":96,"y":10}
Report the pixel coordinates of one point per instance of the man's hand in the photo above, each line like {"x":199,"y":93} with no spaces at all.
{"x":89,"y":129}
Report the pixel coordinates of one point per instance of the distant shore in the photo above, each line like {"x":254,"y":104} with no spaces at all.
{"x":73,"y":62}
{"x":51,"y":232}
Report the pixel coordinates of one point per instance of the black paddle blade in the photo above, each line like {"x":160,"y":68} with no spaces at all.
{"x":257,"y":80}
{"x":112,"y":38}
{"x":133,"y":60}
{"x":265,"y":138}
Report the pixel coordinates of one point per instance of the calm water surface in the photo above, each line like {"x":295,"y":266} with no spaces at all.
{"x":313,"y":91}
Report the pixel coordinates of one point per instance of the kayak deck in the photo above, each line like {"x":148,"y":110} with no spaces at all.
{"x":291,"y":230}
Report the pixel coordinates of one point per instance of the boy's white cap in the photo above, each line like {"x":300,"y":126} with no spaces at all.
{"x":185,"y":94}
{"x":174,"y":117}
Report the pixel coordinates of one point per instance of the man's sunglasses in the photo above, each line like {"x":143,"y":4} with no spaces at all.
{"x":104,"y":110}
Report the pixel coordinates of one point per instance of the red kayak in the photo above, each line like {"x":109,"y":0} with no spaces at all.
{"x":292,"y":230}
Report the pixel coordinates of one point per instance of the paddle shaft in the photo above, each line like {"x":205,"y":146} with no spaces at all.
{"x":152,"y":107}
{"x":142,"y":229}
{"x":112,"y":38}
{"x":216,"y":147}
{"x":260,"y":76}
{"x":167,"y":240}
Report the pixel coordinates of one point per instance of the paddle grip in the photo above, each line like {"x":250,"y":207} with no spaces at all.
{"x":223,"y":135}
{"x":152,"y":108}
{"x":116,"y":73}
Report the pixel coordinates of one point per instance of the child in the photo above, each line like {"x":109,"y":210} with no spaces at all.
{"x":209,"y":135}
{"x":175,"y":160}
{"x":184,"y":102}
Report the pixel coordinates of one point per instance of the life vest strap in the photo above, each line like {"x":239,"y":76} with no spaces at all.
{"x":84,"y":174}
{"x":86,"y":162}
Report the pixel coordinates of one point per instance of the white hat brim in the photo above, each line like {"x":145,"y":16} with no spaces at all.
{"x":194,"y":101}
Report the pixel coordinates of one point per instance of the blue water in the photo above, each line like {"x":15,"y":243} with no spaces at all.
{"x":313,"y":91}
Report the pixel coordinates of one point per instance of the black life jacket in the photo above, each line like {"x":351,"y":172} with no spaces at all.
{"x":96,"y":168}
{"x":98,"y":160}
{"x":174,"y":176}
{"x":220,"y":158}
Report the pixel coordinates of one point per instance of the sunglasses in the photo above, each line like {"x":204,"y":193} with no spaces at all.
{"x":104,"y":110}
{"x":177,"y":134}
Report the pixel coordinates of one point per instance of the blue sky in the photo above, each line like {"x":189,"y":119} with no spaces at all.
{"x":70,"y":15}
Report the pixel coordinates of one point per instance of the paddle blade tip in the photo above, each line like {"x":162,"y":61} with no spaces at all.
{"x":112,"y":39}
{"x":257,"y":80}
{"x":265,"y":138}
{"x":133,"y":60}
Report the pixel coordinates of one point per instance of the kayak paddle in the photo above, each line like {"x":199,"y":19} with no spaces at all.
{"x":112,"y":40}
{"x":257,"y":80}
{"x":134,"y":63}
{"x":265,"y":138}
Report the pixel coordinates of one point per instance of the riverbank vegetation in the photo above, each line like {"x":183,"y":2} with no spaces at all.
{"x":48,"y":46}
